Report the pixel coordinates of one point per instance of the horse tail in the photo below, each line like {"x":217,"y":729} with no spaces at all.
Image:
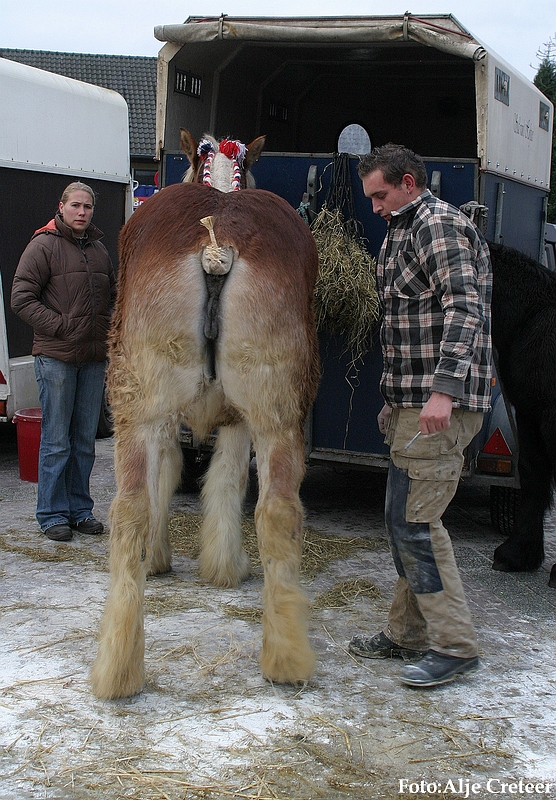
{"x":217,"y":262}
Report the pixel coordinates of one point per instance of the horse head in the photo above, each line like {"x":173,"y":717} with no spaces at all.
{"x":223,"y":165}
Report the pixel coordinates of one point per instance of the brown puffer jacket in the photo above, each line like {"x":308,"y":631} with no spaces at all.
{"x":66,"y":291}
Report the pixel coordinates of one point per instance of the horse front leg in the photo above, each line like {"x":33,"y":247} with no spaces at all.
{"x":164,"y":479}
{"x":119,"y":667}
{"x":223,"y":561}
{"x":286,"y":655}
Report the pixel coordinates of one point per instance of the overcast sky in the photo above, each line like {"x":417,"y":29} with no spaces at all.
{"x":515,"y":29}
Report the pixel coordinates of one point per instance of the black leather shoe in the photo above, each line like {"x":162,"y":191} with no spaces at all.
{"x":91,"y":526}
{"x":380,"y":646}
{"x":59,"y":533}
{"x":436,"y":668}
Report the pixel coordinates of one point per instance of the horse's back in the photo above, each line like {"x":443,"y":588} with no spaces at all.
{"x":256,"y":222}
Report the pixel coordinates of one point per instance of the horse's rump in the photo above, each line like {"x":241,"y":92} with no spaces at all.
{"x":266,"y":346}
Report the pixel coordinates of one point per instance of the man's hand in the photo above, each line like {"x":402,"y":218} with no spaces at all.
{"x":436,"y":413}
{"x":383,"y":418}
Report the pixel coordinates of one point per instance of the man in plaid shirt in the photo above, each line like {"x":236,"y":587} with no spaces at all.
{"x":435,"y":282}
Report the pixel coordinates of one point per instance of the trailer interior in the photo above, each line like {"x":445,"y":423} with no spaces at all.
{"x":301,"y":94}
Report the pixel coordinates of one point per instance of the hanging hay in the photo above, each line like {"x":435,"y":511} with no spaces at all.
{"x":319,"y":550}
{"x":346,"y":299}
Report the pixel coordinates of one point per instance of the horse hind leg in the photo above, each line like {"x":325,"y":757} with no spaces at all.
{"x":137,"y":545}
{"x":286,"y":655}
{"x":223,"y":561}
{"x":119,"y":670}
{"x":524,"y":549}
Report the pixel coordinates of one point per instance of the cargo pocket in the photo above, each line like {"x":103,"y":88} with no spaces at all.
{"x":431,"y":487}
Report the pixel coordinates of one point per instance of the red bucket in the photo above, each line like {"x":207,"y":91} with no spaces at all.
{"x":28,"y":422}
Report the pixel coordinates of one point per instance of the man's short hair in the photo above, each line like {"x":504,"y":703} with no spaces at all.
{"x":394,"y":161}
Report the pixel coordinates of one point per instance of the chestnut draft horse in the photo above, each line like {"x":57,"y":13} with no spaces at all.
{"x":213,"y":328}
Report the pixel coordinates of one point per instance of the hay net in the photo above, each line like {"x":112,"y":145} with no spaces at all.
{"x":346,"y":299}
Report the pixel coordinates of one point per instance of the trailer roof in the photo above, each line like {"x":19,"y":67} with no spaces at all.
{"x":56,"y":124}
{"x":441,"y":31}
{"x":511,"y":119}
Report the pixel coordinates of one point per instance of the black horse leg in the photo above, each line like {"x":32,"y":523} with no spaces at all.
{"x":524,"y":548}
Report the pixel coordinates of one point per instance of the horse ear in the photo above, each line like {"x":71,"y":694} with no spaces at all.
{"x":254,"y":151}
{"x":189,"y":147}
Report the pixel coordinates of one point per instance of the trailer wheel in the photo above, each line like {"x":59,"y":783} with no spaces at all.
{"x":105,"y":422}
{"x":504,"y":505}
{"x":194,"y":467}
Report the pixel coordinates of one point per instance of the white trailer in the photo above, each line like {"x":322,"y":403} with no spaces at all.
{"x":419,"y":80}
{"x":53,"y":130}
{"x":484,"y":130}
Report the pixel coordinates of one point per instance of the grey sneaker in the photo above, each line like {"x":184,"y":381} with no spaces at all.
{"x":380,"y":646}
{"x":435,"y":668}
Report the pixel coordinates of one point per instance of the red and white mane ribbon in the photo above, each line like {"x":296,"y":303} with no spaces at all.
{"x":232,"y":149}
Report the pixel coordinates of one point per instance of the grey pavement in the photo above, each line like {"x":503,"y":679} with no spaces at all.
{"x":206,"y":718}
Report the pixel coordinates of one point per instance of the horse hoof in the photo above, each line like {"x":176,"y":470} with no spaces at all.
{"x":110,"y":682}
{"x":552,"y":579}
{"x":502,"y":566}
{"x":296,"y":675}
{"x":517,"y":559}
{"x":507,"y":566}
{"x":159,"y":570}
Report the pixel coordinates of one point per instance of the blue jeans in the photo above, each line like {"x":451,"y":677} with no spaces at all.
{"x":71,"y":397}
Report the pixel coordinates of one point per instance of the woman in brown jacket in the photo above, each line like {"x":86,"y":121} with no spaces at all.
{"x":65,"y":287}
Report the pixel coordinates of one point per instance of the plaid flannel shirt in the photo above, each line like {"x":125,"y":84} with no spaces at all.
{"x":435,"y":282}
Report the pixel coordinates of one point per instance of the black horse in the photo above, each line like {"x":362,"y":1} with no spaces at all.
{"x":524,"y":335}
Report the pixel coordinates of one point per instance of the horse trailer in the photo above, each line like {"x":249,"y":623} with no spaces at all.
{"x":320,"y":86}
{"x":54,"y":130}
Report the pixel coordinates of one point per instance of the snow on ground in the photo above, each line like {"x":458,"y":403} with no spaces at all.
{"x":207,"y":724}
